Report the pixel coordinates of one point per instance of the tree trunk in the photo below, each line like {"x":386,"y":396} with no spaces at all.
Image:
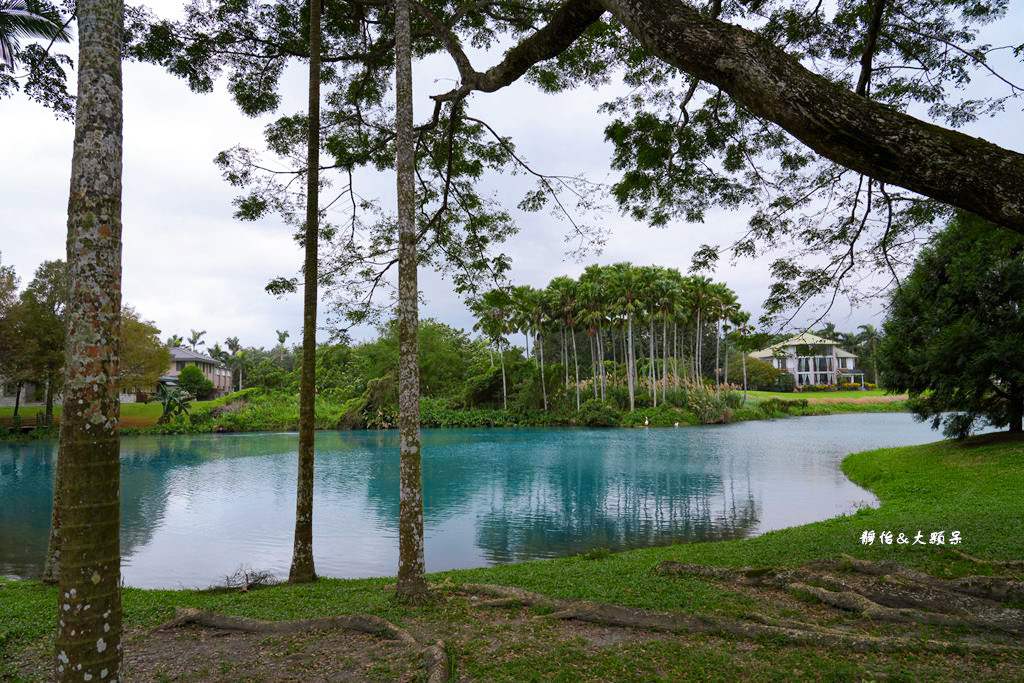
{"x":302,"y":569}
{"x":543,"y":386}
{"x":718,"y":361}
{"x":17,"y":398}
{"x":576,"y":364}
{"x":1016,"y":416}
{"x":744,"y":370}
{"x":593,"y":363}
{"x":629,"y":359}
{"x":49,"y":400}
{"x":504,"y":390}
{"x":664,"y":359}
{"x":412,"y":585}
{"x":652,"y":374}
{"x":88,"y":643}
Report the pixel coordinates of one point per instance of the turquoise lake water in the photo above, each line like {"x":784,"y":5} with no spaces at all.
{"x":195,"y":508}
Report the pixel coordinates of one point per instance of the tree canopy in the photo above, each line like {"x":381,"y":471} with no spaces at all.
{"x":953,"y":336}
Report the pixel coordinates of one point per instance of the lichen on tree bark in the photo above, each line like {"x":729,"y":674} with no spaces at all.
{"x":411,"y":583}
{"x":88,"y":644}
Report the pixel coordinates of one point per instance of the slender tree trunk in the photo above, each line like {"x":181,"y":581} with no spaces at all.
{"x":48,"y":417}
{"x":593,"y":363}
{"x":600,"y":354}
{"x":653,"y":373}
{"x":17,"y":398}
{"x":726,"y":360}
{"x":576,"y":364}
{"x":718,"y":361}
{"x":504,"y":391}
{"x":302,"y":569}
{"x":1016,"y":416}
{"x":543,"y":385}
{"x":744,"y":356}
{"x":88,"y":643}
{"x":699,"y":369}
{"x":411,"y":585}
{"x":675,"y":354}
{"x":565,"y":357}
{"x":664,"y":359}
{"x":629,"y":359}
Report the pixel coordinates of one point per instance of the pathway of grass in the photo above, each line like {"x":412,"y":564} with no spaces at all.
{"x":973,"y":488}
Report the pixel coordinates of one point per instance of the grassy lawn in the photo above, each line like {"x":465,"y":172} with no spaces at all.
{"x":972,"y":487}
{"x":840,"y":395}
{"x":132,"y":414}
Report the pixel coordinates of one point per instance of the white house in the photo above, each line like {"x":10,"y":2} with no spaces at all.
{"x":812,"y":360}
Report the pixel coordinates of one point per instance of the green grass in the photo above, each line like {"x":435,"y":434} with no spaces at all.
{"x":972,"y":487}
{"x":855,"y":394}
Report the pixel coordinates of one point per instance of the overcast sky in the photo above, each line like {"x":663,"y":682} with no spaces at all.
{"x":187,"y":264}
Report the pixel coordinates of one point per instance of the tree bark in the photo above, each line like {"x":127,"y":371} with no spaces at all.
{"x":303,"y":569}
{"x":504,"y":390}
{"x":88,"y":643}
{"x":412,"y":584}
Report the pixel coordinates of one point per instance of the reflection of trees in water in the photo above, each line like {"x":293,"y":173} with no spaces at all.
{"x":148,"y":466}
{"x":612,"y":500}
{"x":26,"y":490}
{"x":539,"y":493}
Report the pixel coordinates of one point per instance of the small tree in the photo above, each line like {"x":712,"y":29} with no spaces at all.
{"x":953,"y":336}
{"x":191,"y":379}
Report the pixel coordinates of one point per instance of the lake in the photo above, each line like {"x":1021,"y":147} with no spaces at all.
{"x":195,"y":508}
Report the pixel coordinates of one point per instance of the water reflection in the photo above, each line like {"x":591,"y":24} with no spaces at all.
{"x":196,"y":507}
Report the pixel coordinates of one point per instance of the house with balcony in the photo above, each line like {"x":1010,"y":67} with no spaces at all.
{"x":813,"y":360}
{"x":213,"y":370}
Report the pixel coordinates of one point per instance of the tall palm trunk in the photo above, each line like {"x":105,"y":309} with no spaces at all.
{"x":576,"y":363}
{"x":652,"y":373}
{"x":664,"y":358}
{"x":411,"y":584}
{"x":88,"y":643}
{"x":543,"y":385}
{"x":593,"y":363}
{"x":675,"y":354}
{"x":744,"y":371}
{"x":302,"y":569}
{"x":726,"y":358}
{"x":504,"y":390}
{"x":629,"y":359}
{"x":718,"y":337}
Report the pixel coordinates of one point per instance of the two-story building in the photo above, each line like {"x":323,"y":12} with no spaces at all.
{"x":812,"y":360}
{"x":214,"y":370}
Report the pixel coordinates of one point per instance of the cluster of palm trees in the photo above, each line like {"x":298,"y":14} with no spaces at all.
{"x":618,"y":309}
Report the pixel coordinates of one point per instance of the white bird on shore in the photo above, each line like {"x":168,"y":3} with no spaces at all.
{"x":646,"y":423}
{"x":676,"y":424}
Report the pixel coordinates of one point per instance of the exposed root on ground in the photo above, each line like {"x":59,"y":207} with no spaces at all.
{"x":898,"y":594}
{"x":794,"y":632}
{"x":1007,"y":564}
{"x":436,"y":659}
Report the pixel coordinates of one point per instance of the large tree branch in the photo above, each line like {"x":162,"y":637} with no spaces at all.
{"x":835,"y":122}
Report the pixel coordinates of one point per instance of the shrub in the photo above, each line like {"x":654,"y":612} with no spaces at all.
{"x":595,"y":413}
{"x":191,"y":379}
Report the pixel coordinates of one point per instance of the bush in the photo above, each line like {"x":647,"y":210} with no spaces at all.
{"x":785,"y":382}
{"x":191,"y":379}
{"x":595,"y":413}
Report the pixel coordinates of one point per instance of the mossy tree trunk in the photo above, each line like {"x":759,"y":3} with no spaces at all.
{"x":302,"y":569}
{"x":88,"y":644}
{"x":412,"y":584}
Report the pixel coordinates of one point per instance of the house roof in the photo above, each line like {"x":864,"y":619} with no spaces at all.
{"x":804,"y":338}
{"x":180,"y":353}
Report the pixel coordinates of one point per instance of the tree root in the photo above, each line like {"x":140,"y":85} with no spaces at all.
{"x":805,"y":634}
{"x":436,"y":658}
{"x":904,"y":596}
{"x":991,"y":587}
{"x":1005,"y":564}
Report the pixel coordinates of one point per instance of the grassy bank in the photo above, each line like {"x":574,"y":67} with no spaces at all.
{"x":971,"y":487}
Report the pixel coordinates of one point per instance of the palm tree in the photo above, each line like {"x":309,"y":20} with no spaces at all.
{"x":193,"y":339}
{"x":282,"y":336}
{"x":871,"y":337}
{"x":175,"y":340}
{"x":494,"y":310}
{"x":18,"y":23}
{"x":624,"y":289}
{"x":88,"y":647}
{"x":563,"y":295}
